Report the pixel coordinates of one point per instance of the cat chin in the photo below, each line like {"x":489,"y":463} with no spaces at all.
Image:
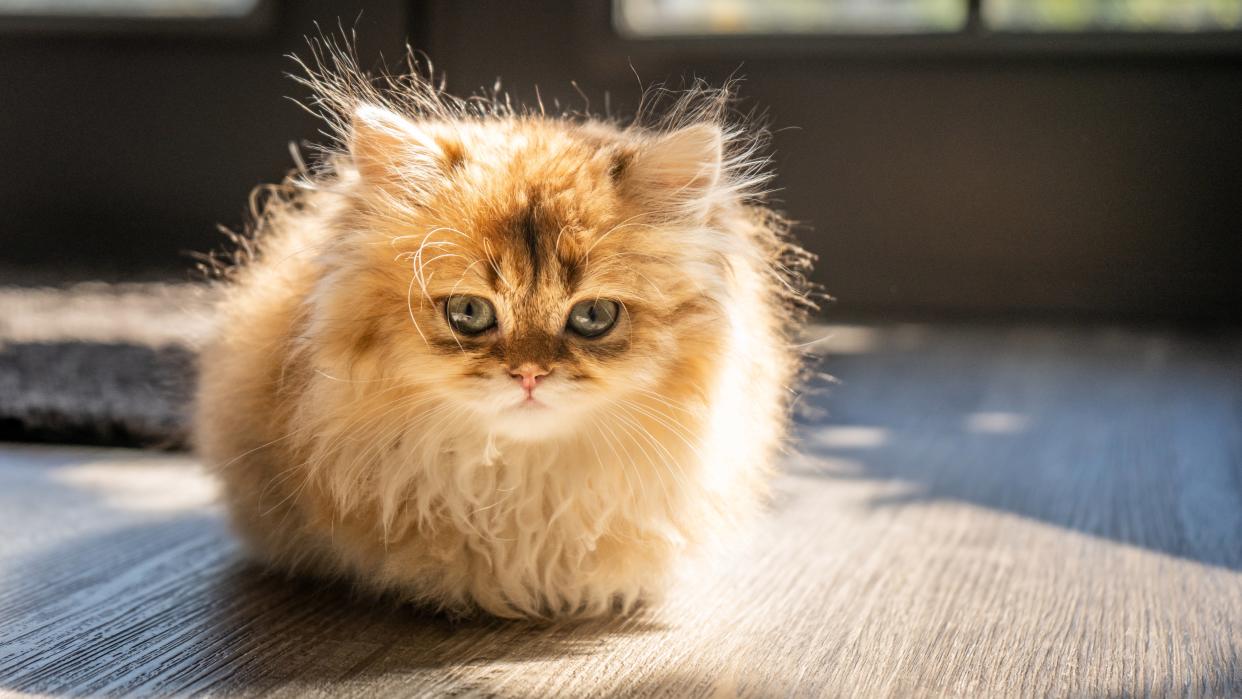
{"x":530,"y":423}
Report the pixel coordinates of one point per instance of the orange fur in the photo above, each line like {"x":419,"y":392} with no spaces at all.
{"x":357,"y":434}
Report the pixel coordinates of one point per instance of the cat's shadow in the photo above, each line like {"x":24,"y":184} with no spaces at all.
{"x":348,"y":635}
{"x":181,"y":610}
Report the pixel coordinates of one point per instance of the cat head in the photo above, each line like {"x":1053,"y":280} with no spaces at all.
{"x":532,"y":273}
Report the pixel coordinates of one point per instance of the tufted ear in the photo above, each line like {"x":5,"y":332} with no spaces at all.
{"x":390,"y":150}
{"x":681,"y":167}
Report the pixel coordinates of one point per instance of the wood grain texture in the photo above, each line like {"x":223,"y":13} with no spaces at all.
{"x":1015,"y":511}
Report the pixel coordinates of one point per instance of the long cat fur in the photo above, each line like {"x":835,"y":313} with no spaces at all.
{"x":358,"y":436}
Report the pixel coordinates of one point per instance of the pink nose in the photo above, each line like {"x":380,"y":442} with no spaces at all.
{"x":529,"y":374}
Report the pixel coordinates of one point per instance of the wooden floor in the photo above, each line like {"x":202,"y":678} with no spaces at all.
{"x":1014,"y":511}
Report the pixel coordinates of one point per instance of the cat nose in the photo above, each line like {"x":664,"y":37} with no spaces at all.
{"x":529,"y":374}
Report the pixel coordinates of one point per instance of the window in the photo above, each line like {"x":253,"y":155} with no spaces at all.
{"x":1113,"y":15}
{"x":705,"y":17}
{"x":129,"y":8}
{"x":669,"y":18}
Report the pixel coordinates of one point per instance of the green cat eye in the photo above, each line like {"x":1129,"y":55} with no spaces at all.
{"x":470,"y":315}
{"x":593,"y":318}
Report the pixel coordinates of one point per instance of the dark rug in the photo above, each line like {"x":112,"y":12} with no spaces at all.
{"x":99,"y":364}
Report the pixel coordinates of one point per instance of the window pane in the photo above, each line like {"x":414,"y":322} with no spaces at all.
{"x":707,"y":17}
{"x":128,"y":8}
{"x":1113,"y":15}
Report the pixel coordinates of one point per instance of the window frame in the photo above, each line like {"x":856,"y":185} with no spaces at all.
{"x":974,"y":38}
{"x":259,"y":21}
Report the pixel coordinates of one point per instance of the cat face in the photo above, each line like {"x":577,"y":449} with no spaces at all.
{"x":531,"y":273}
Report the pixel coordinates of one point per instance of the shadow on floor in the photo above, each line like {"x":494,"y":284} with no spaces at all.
{"x":167,"y":604}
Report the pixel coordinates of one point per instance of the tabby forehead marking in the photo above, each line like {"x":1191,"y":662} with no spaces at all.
{"x":528,"y":229}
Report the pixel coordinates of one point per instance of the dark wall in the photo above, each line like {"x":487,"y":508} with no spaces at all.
{"x":123,"y":151}
{"x":957,"y":176}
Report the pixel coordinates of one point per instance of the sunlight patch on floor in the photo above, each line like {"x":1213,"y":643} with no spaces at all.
{"x":850,"y":437}
{"x":142,"y":485}
{"x":997,"y":422}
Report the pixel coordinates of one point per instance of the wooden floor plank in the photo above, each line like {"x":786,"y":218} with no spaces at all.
{"x":975,"y":511}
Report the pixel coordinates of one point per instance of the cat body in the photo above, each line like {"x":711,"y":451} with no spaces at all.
{"x":503,"y":361}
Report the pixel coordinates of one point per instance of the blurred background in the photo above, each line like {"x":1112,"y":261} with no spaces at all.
{"x":998,"y":160}
{"x":1025,"y":480}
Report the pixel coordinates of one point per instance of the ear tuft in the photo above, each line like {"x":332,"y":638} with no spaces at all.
{"x":387,"y":148}
{"x":683,"y":166}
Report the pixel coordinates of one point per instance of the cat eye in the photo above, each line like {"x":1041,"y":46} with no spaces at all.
{"x":470,"y":315}
{"x":593,"y":318}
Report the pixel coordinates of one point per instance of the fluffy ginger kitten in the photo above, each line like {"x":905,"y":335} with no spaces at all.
{"x":488,"y":359}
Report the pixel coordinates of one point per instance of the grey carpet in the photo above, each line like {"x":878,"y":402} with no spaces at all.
{"x":99,"y":364}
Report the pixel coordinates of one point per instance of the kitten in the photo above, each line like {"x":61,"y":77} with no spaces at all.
{"x":488,"y":359}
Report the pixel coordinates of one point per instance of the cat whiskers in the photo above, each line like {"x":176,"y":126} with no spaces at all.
{"x":556,"y":245}
{"x":409,"y":305}
{"x":625,"y":465}
{"x":681,"y":407}
{"x":624,"y":224}
{"x":671,"y":424}
{"x":617,"y":447}
{"x":670,"y":462}
{"x":330,"y":377}
{"x":675,"y":427}
{"x":491,"y":259}
{"x":418,"y":258}
{"x":656,"y":468}
{"x":420,"y":266}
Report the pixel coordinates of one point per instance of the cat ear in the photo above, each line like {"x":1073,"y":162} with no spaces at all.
{"x":683,"y":166}
{"x":389,"y":149}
